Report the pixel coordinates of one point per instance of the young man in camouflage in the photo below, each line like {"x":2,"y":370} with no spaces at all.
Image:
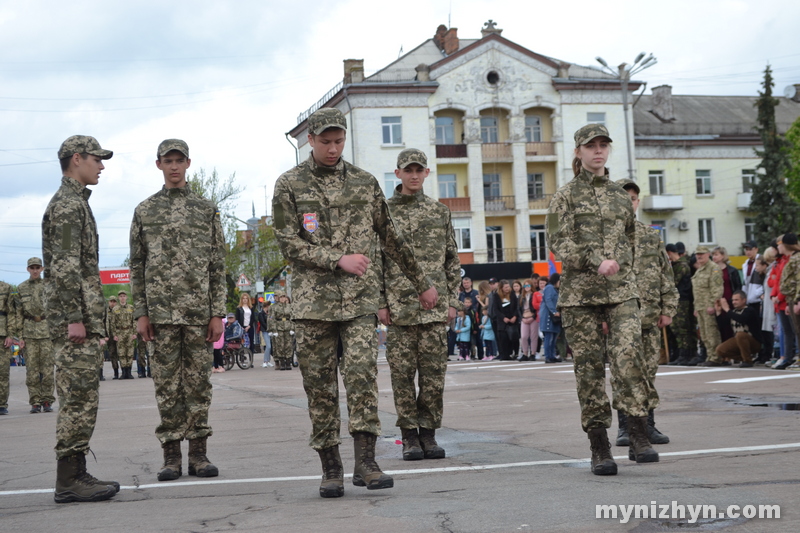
{"x":417,"y":339}
{"x":74,"y":305}
{"x":591,"y":229}
{"x":684,"y":325}
{"x":123,"y":331}
{"x":178,"y":287}
{"x":111,"y":344}
{"x":707,"y":288}
{"x":32,"y":330}
{"x":331,"y":220}
{"x":6,"y":340}
{"x":658,"y":302}
{"x":281,"y":328}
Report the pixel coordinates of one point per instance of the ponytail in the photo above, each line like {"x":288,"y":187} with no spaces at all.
{"x":576,"y":165}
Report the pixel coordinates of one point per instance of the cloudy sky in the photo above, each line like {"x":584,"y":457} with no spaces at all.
{"x":231,"y":77}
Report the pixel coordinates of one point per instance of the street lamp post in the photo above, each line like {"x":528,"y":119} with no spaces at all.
{"x":624,"y":73}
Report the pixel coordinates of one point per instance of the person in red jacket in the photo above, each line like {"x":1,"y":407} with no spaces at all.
{"x":788,"y":334}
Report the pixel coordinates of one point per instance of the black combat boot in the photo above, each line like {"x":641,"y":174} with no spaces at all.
{"x":367,"y":473}
{"x":128,"y":374}
{"x":602,"y":462}
{"x":427,"y":438}
{"x":74,"y":484}
{"x":640,"y":449}
{"x":116,"y":374}
{"x":332,"y":485}
{"x":199,"y":465}
{"x":102,"y":378}
{"x":623,"y":439}
{"x":173,"y":460}
{"x":653,"y":434}
{"x":412,"y":449}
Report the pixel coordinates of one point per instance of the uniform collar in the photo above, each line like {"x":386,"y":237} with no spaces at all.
{"x":76,"y":187}
{"x":177,"y":191}
{"x":406,"y":198}
{"x":320,"y":170}
{"x":590,"y":177}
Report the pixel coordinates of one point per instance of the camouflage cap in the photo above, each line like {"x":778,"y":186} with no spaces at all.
{"x":410,"y":156}
{"x":120,"y":293}
{"x":627,"y":183}
{"x":112,"y":299}
{"x":327,"y":117}
{"x":589,"y":132}
{"x":278,"y":293}
{"x":34,"y":261}
{"x":702,"y":250}
{"x":83,"y":144}
{"x":173,"y":144}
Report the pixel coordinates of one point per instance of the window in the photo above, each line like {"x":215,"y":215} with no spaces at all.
{"x":706,"y":230}
{"x":489,"y":130}
{"x":535,"y":186}
{"x":390,"y":181}
{"x":749,"y":229}
{"x":494,"y":243}
{"x":749,"y":178}
{"x":533,"y":129}
{"x":462,"y":228}
{"x":538,"y":245}
{"x":703,"y":180}
{"x":447,"y":186}
{"x":596,"y":118}
{"x":491,"y":186}
{"x":656,"y":182}
{"x":392,"y":130}
{"x":661,"y":226}
{"x":445,"y":130}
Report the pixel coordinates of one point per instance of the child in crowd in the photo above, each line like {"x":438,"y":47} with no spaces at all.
{"x":463,"y":332}
{"x":487,"y":335}
{"x":475,"y":341}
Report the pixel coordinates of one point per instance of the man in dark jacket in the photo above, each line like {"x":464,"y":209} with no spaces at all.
{"x":746,"y":325}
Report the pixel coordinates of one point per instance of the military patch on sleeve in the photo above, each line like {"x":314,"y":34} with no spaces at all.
{"x":552,"y":222}
{"x":66,"y":236}
{"x":279,"y":219}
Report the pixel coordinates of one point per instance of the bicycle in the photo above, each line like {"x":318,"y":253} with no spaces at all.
{"x":236,"y":353}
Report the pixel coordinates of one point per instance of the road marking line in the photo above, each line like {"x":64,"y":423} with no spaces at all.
{"x":686,"y":372}
{"x":524,"y":368}
{"x":747,"y":380}
{"x":475,"y":468}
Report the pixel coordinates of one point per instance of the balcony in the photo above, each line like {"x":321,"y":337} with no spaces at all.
{"x":663,"y":202}
{"x":501,"y":255}
{"x":498,"y":203}
{"x":496,"y":152}
{"x":540,"y":202}
{"x":743,"y":201}
{"x":532,"y":149}
{"x":451,"y":150}
{"x":457,"y":204}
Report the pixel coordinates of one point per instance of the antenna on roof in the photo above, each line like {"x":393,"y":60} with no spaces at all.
{"x":449,"y":13}
{"x":401,"y":51}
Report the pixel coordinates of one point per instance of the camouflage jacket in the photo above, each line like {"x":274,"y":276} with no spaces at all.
{"x":590,"y":220}
{"x":280,"y":317}
{"x":31,"y":320}
{"x":121,"y":318}
{"x":682,"y":274}
{"x":426,"y":226}
{"x":177,"y":259}
{"x":107,"y":319}
{"x":323,"y":213}
{"x":657,"y":293}
{"x":6,"y":311}
{"x":707,"y":286}
{"x":72,"y":290}
{"x":790,"y":279}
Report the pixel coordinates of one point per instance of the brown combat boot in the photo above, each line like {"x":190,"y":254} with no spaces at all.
{"x":367,"y":473}
{"x":173,"y":459}
{"x":602,"y":461}
{"x":332,"y":485}
{"x":412,"y":449}
{"x":199,"y":465}
{"x":82,"y":459}
{"x":640,"y":449}
{"x":74,"y":484}
{"x":427,"y":438}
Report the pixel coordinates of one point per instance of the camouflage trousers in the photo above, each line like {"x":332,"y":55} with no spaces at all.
{"x":651,"y":347}
{"x":181,"y":368}
{"x":125,"y":348}
{"x":317,"y":343}
{"x":709,"y":333}
{"x":684,"y":327}
{"x":623,"y":345}
{"x":283,"y":346}
{"x":418,"y":350}
{"x":39,"y":367}
{"x":5,"y":372}
{"x":113,"y":355}
{"x":77,"y":383}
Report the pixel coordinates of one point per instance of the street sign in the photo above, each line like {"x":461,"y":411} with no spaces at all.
{"x":243,"y":281}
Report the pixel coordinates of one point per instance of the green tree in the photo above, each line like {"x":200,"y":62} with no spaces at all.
{"x":777,"y":212}
{"x":793,"y":174}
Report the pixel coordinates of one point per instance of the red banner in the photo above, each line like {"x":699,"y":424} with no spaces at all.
{"x":114,"y":276}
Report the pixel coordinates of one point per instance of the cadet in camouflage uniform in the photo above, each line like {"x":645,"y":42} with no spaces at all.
{"x":417,"y":338}
{"x":178,"y":287}
{"x":684,"y":325}
{"x":707,"y":288}
{"x":658,"y":302}
{"x":123,"y":331}
{"x":74,"y":304}
{"x":282,"y":331}
{"x":32,"y":329}
{"x":111,"y":344}
{"x":591,"y":230}
{"x":331,"y":221}
{"x":6,"y":340}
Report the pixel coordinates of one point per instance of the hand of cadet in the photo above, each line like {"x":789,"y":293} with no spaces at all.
{"x":605,"y":328}
{"x":133,"y":337}
{"x":384,"y":316}
{"x":76,"y":332}
{"x":711,"y":311}
{"x":116,"y":338}
{"x":145,"y":328}
{"x":354,"y":264}
{"x":723,"y":303}
{"x":664,"y":321}
{"x":102,"y":342}
{"x":609,"y":267}
{"x":451,"y":313}
{"x":214,"y":329}
{"x":429,"y":298}
{"x":9,"y":341}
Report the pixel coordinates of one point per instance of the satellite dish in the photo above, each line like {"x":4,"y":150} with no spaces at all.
{"x":790,"y":91}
